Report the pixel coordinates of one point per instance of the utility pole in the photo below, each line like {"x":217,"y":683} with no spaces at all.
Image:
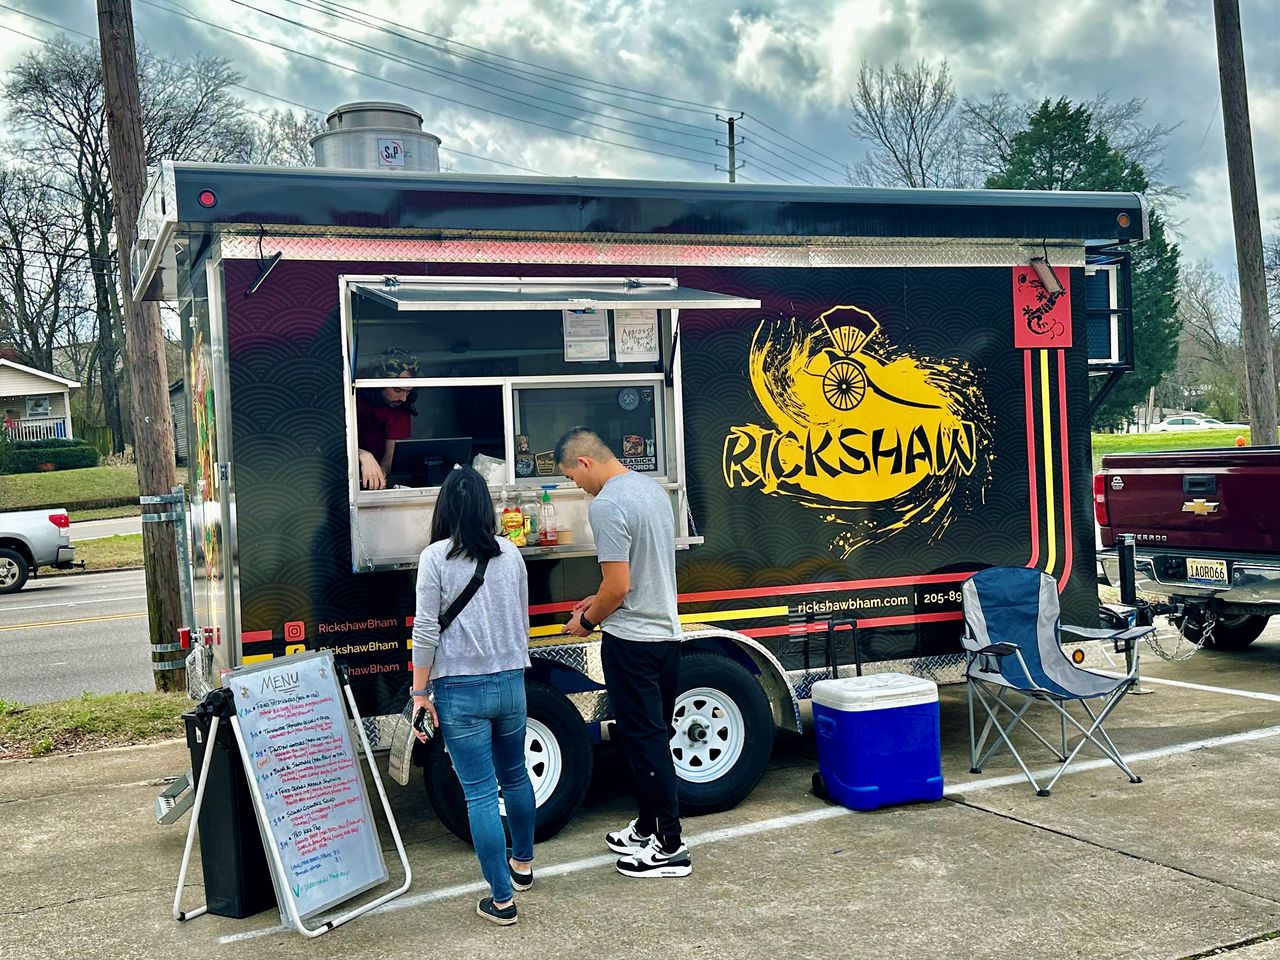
{"x":1255,"y":330}
{"x":144,"y":340}
{"x":733,"y":145}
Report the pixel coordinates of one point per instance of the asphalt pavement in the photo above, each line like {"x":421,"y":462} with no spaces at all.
{"x":61,"y":636}
{"x":1184,"y":865}
{"x":97,"y":529}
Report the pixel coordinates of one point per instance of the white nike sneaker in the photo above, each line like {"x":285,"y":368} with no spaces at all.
{"x":652,"y":861}
{"x":627,"y":840}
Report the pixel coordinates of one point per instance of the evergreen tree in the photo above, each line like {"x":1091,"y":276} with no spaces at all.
{"x":1061,"y":150}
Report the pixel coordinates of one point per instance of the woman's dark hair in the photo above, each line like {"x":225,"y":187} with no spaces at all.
{"x":464,"y":514}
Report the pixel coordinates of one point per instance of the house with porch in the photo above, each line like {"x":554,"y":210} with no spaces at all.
{"x":34,"y":405}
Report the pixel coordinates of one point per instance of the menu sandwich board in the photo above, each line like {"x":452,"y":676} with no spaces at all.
{"x":305,"y":776}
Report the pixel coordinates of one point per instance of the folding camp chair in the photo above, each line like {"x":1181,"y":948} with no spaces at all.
{"x":1011,"y":636}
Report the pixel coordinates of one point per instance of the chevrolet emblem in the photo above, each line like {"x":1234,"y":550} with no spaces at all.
{"x":1199,"y":507}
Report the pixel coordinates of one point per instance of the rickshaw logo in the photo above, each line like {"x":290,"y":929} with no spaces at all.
{"x":877,"y":438}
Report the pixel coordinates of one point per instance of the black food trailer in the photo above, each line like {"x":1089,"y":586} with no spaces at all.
{"x":855,"y":399}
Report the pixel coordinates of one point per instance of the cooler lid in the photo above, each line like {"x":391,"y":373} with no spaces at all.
{"x":878,"y":691}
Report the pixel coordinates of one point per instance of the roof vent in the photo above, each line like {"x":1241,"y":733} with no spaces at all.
{"x":377,"y":136}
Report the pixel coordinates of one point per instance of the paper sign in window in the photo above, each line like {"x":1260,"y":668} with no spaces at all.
{"x":635,"y":336}
{"x":586,"y":335}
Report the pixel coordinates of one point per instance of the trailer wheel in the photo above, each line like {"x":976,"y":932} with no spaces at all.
{"x":1229,"y":633}
{"x":557,"y":755}
{"x":721,"y":733}
{"x":13,"y":570}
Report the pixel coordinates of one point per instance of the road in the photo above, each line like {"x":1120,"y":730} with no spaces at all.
{"x":97,"y":529}
{"x":60,"y":636}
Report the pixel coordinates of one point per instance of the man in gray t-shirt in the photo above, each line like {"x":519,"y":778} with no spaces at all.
{"x":636,"y":607}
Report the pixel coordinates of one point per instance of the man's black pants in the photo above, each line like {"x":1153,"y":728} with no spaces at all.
{"x":641,"y":679}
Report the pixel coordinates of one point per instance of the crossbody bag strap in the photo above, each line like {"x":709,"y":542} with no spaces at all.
{"x":469,"y":591}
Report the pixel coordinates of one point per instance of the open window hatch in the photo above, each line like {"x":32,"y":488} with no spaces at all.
{"x":491,"y":371}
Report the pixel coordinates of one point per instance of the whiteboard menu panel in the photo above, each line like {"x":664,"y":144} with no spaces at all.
{"x":308,"y":781}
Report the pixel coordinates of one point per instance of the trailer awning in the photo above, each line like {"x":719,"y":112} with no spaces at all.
{"x":412,"y":296}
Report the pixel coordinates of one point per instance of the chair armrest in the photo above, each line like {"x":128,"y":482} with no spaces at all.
{"x":997,"y":650}
{"x":1125,"y":639}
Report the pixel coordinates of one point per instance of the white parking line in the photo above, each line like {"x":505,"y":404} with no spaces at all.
{"x":792,"y":820}
{"x":1230,"y":691}
{"x":75,"y":603}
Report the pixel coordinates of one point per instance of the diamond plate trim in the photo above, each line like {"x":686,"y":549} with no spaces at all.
{"x":604,"y":249}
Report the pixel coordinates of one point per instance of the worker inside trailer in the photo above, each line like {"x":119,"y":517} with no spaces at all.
{"x":383,"y":416}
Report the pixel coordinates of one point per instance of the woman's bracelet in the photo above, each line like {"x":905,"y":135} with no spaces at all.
{"x":424,"y":692}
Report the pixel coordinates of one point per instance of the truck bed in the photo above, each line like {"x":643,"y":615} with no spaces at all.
{"x":1206,"y":524}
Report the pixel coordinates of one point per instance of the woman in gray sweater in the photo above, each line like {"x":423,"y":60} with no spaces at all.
{"x":476,"y":667}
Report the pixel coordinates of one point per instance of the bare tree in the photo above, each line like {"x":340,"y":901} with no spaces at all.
{"x":284,"y":138}
{"x":1211,"y":357}
{"x":908,"y":118}
{"x":39,"y":266}
{"x":55,"y":100}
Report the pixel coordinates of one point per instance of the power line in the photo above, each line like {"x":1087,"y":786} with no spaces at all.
{"x":629,"y":93}
{"x":241,"y":86}
{"x":834,"y":165}
{"x":427,"y":93}
{"x":761,"y":146}
{"x":527,"y":76}
{"x":771,"y":170}
{"x":328,"y":7}
{"x":538,"y":103}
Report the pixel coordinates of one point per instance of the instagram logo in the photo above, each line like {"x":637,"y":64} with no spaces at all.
{"x":295,"y":631}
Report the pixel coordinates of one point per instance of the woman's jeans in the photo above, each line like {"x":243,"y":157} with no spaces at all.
{"x":482,"y":719}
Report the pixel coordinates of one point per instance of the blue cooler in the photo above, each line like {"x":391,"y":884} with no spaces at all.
{"x":878,"y":741}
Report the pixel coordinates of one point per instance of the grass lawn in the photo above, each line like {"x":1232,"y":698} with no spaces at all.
{"x":1104,"y":443}
{"x":90,"y":722}
{"x":105,"y":513}
{"x":87,"y":488}
{"x":104,"y":553}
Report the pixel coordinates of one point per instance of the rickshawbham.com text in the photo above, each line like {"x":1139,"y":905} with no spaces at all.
{"x":853,"y":603}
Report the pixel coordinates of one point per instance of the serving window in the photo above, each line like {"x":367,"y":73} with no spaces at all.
{"x":443,"y":371}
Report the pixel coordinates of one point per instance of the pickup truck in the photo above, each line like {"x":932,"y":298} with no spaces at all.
{"x":1206,"y":525}
{"x":29,"y":540}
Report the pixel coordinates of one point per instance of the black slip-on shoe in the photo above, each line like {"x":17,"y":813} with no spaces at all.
{"x":502,"y":916}
{"x":521,"y":881}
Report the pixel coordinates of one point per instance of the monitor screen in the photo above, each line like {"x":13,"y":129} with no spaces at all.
{"x":424,"y":463}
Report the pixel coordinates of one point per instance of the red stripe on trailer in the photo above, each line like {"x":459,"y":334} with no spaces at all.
{"x":255,"y":636}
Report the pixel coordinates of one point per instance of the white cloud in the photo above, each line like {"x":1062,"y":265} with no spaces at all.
{"x":789,"y":63}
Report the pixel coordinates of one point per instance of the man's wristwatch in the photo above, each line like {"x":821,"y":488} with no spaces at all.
{"x":587,"y":625}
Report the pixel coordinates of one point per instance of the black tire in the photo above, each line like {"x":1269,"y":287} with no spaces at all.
{"x":560,"y":722}
{"x":733,"y":682}
{"x":1229,"y":633}
{"x":14,"y":570}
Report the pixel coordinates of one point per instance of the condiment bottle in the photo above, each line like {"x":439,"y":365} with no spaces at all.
{"x":548,"y":524}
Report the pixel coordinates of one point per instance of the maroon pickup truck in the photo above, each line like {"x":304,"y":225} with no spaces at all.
{"x":1206,"y":525}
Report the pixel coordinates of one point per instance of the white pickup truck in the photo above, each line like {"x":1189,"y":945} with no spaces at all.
{"x":29,"y":540}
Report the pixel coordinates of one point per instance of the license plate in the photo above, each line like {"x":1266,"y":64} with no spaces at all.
{"x":1207,"y":571}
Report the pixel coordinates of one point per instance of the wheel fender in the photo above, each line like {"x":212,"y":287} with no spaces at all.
{"x":762,"y":662}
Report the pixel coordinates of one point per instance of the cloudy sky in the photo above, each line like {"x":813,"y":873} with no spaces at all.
{"x":655,"y":72}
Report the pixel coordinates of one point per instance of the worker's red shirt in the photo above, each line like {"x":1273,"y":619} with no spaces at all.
{"x":376,"y":423}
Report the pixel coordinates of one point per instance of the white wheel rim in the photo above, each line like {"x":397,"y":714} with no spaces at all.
{"x":707,"y":735}
{"x":544,"y":761}
{"x":8,"y":572}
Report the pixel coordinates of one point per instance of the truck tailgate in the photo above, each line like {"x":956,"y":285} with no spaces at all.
{"x":1197,"y":499}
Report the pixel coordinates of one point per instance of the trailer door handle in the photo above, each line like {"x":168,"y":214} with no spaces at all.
{"x":1200,"y":484}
